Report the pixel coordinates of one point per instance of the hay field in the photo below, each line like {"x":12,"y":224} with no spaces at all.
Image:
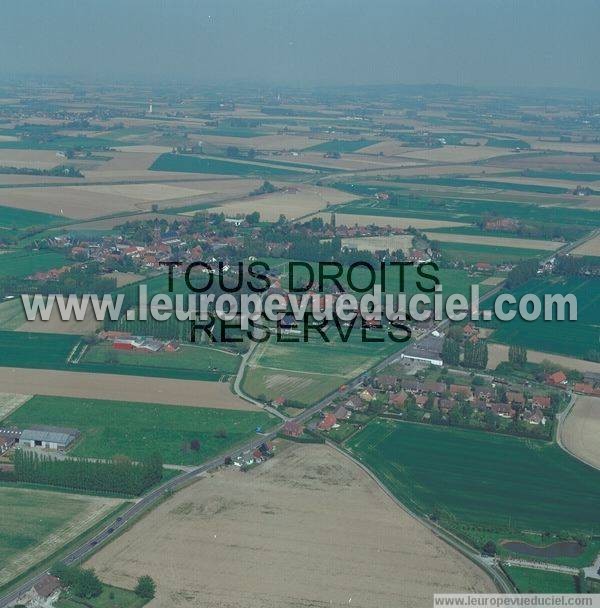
{"x":36,"y":523}
{"x":498,"y":353}
{"x":377,"y":243}
{"x":458,"y":154}
{"x":9,"y":402}
{"x":495,"y":241}
{"x":55,"y":325}
{"x":307,"y":528}
{"x":115,"y":387}
{"x":581,"y":430}
{"x":591,"y":247}
{"x":293,"y":204}
{"x":87,"y":202}
{"x":37,"y":159}
{"x":349,"y":219}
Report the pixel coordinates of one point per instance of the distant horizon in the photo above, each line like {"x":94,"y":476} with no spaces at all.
{"x":307,"y":43}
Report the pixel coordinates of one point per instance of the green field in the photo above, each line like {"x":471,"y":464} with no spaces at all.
{"x":529,"y":580}
{"x":23,"y":263}
{"x":11,"y":314}
{"x":200,"y":164}
{"x":459,"y":182}
{"x":12,"y":218}
{"x":35,"y":350}
{"x":31,"y":517}
{"x":342,"y":146}
{"x":204,"y":363}
{"x":111,"y":597}
{"x":404,"y":204}
{"x":572,"y":338}
{"x":137,"y":429}
{"x":471,"y":253}
{"x":302,"y":388}
{"x":482,"y":485}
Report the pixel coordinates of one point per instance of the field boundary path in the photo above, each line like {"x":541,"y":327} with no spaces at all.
{"x":487,"y":564}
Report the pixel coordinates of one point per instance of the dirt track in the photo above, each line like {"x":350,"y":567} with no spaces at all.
{"x":193,"y":393}
{"x":307,"y":528}
{"x":581,"y":430}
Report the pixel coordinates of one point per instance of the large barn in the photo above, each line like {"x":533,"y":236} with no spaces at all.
{"x":49,"y":437}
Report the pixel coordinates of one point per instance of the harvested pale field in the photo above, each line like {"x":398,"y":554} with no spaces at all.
{"x":86,"y":512}
{"x":580,"y":431}
{"x":292,"y":203}
{"x":348,"y":219}
{"x":306,"y":528}
{"x":9,"y":402}
{"x":497,"y":353}
{"x":115,"y":387}
{"x":86,"y":202}
{"x":144,"y":148}
{"x":495,"y":241}
{"x":261,"y":142}
{"x":591,"y":247}
{"x":577,"y":148}
{"x":458,"y":154}
{"x":55,"y":325}
{"x":354,"y":161}
{"x":8,"y":138}
{"x":492,"y":281}
{"x":392,"y":242}
{"x":146,"y":192}
{"x":111,"y":222}
{"x":36,"y":159}
{"x":124,"y":278}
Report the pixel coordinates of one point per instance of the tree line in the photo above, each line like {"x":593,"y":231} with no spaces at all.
{"x":117,"y":476}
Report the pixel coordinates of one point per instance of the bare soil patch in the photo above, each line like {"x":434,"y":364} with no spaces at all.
{"x":321,"y":531}
{"x":591,"y":247}
{"x":581,"y":430}
{"x":499,"y":353}
{"x":139,"y":389}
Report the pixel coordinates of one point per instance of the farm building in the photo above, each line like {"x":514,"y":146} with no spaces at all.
{"x":49,"y":437}
{"x":150,"y":345}
{"x":293,"y":428}
{"x":427,"y":350}
{"x":44,"y":593}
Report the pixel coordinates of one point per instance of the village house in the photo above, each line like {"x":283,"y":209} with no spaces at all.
{"x":536,"y":417}
{"x":341,"y":413}
{"x":434,"y":387}
{"x":386,"y":382}
{"x":43,"y":594}
{"x":557,"y":379}
{"x":412,"y":386}
{"x":461,"y":389}
{"x":398,"y":399}
{"x":542,"y":401}
{"x":367,"y":394}
{"x":355,"y":403}
{"x":514,"y":397}
{"x":504,"y":410}
{"x":328,"y":422}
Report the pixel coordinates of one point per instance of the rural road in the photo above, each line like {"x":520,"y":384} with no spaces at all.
{"x":152,"y":498}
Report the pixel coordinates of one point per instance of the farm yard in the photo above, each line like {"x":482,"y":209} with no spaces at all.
{"x":136,"y":430}
{"x":480,"y":485}
{"x":36,"y":523}
{"x":213,"y":529}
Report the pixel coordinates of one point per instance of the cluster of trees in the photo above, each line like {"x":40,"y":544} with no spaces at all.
{"x":451,"y":351}
{"x":59,"y":171}
{"x":82,"y":582}
{"x":85,"y":584}
{"x":522,"y":273}
{"x":117,"y":476}
{"x":517,"y":355}
{"x":77,"y":280}
{"x":571,"y":266}
{"x":266,"y":188}
{"x":476,"y":354}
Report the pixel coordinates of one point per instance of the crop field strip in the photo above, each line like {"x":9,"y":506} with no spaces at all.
{"x":110,"y":428}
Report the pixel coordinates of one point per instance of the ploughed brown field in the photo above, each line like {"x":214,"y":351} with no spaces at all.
{"x":307,"y":528}
{"x":141,"y":389}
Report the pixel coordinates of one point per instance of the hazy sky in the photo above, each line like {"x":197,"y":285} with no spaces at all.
{"x":472,"y":42}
